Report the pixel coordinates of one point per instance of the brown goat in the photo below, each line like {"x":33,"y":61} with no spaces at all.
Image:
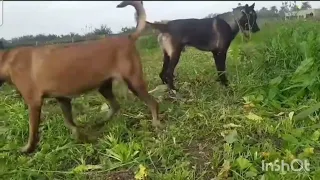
{"x":63,"y":72}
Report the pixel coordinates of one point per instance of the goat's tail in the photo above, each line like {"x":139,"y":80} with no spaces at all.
{"x":138,"y":5}
{"x":162,"y":27}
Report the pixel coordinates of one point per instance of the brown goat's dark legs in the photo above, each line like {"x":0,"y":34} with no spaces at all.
{"x":220,"y":61}
{"x":66,"y":107}
{"x":106,"y":91}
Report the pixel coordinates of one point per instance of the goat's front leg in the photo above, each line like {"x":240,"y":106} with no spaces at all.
{"x":220,"y":61}
{"x":34,"y":107}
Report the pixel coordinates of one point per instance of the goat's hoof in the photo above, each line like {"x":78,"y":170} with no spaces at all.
{"x":27,"y":149}
{"x":226,"y":84}
{"x":164,"y":81}
{"x":78,"y":135}
{"x":157,"y":124}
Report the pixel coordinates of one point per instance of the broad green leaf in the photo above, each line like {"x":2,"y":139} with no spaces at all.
{"x":304,"y":47}
{"x":142,"y":173}
{"x":224,"y":170}
{"x":308,"y":151}
{"x":275,"y":81}
{"x":238,"y":147}
{"x":254,"y":117}
{"x":290,"y":138}
{"x":84,"y":168}
{"x":315,"y":136}
{"x":104,"y":107}
{"x":303,"y":80}
{"x":250,"y":174}
{"x":307,"y":112}
{"x":259,"y":98}
{"x":289,"y":155}
{"x":243,"y":163}
{"x":304,"y":66}
{"x":253,"y":169}
{"x":80,"y":168}
{"x":231,"y":137}
{"x":297,"y":132}
{"x":272,"y":93}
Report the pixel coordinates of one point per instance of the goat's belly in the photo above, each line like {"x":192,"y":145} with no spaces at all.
{"x":70,"y":89}
{"x":70,"y":93}
{"x":201,"y":45}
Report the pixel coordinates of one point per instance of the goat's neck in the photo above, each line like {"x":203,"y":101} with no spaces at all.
{"x":235,"y":28}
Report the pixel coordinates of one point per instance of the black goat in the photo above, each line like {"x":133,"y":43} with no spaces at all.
{"x":208,"y":34}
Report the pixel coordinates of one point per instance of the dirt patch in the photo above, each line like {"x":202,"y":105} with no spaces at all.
{"x":119,"y":175}
{"x":201,"y":157}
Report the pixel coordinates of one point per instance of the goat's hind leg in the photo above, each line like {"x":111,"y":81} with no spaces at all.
{"x":106,"y":91}
{"x":66,"y":107}
{"x":138,"y":87}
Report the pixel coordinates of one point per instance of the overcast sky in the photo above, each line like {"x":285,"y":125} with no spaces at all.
{"x":62,"y":17}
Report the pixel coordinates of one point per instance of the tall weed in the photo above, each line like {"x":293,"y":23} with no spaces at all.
{"x":288,"y":63}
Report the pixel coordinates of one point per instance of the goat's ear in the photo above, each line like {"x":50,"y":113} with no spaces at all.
{"x":252,"y":6}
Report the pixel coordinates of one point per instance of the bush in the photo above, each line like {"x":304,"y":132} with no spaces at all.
{"x":148,"y":42}
{"x":285,"y":66}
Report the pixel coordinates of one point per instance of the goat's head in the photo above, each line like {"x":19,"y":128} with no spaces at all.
{"x":248,"y":20}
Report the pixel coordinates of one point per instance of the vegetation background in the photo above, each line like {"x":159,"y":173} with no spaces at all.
{"x":90,"y":33}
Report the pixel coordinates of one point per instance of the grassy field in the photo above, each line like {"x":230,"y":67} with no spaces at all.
{"x":269,"y":112}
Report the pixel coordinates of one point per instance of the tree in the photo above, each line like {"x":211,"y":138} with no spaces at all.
{"x":305,"y":5}
{"x":294,"y":8}
{"x":127,"y":29}
{"x":282,"y":11}
{"x":103,"y":30}
{"x":284,"y":8}
{"x":274,"y":9}
{"x":264,"y":12}
{"x":288,"y":7}
{"x":291,"y":6}
{"x":72,"y":34}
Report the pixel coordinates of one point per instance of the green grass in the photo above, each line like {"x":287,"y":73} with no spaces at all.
{"x":270,"y":111}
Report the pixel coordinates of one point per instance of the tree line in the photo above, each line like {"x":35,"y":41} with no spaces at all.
{"x":71,"y":37}
{"x":273,"y":11}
